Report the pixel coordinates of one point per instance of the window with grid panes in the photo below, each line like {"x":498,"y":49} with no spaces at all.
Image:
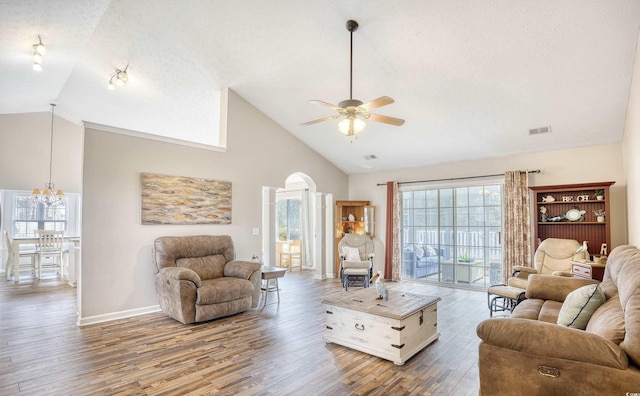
{"x":30,"y":215}
{"x":452,"y":235}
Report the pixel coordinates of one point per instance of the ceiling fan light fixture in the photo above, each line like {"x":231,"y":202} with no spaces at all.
{"x":355,"y":111}
{"x":351,"y":126}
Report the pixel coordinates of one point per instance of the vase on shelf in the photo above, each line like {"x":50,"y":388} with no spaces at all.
{"x":600,"y":219}
{"x":352,"y":217}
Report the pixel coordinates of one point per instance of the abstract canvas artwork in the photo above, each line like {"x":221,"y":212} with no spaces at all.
{"x":184,"y":200}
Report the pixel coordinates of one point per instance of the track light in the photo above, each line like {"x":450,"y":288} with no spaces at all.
{"x":37,"y":55}
{"x":119,"y":78}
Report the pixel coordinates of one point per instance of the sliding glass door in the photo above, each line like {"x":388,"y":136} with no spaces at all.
{"x":452,"y":235}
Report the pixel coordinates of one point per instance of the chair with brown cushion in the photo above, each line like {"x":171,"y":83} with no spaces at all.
{"x":198,"y":278}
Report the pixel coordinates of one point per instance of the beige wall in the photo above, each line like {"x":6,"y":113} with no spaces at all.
{"x":24,"y":152}
{"x":582,"y":165}
{"x":117,"y":274}
{"x":631,"y":155}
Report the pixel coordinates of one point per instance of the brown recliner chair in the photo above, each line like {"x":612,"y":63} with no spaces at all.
{"x":199,"y":279}
{"x":553,"y":257}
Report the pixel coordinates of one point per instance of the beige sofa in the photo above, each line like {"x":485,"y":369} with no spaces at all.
{"x":529,"y":354}
{"x":199,"y":279}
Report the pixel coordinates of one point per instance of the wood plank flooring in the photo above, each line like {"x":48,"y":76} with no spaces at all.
{"x":275,"y":351}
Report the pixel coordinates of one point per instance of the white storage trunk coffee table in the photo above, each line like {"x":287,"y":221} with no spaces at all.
{"x":394,"y":330}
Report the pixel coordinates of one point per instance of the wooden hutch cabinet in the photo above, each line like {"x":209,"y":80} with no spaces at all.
{"x":567,"y":211}
{"x":356,"y":217}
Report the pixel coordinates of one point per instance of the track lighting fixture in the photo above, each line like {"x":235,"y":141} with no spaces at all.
{"x":119,"y":78}
{"x":37,"y":55}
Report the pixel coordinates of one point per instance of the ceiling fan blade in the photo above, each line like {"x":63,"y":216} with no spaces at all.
{"x":386,"y":119}
{"x":374,"y":104}
{"x":321,"y":119}
{"x":325,"y":104}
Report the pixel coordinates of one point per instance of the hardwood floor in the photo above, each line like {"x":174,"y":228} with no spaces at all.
{"x":275,"y":351}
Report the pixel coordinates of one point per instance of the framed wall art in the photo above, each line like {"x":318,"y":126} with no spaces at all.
{"x":184,"y":200}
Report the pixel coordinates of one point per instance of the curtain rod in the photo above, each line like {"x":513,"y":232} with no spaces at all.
{"x":454,"y":178}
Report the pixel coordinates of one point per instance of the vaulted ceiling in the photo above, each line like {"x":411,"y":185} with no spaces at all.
{"x":469,"y":77}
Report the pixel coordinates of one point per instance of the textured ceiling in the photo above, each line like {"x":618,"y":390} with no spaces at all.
{"x":469,"y":77}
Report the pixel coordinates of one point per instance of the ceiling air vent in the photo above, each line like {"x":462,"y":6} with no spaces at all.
{"x":539,"y":131}
{"x":370,"y":157}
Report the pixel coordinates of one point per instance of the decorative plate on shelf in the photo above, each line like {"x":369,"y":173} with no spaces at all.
{"x":575,"y":214}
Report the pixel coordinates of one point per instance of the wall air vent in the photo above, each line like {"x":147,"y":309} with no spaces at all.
{"x":539,"y":131}
{"x":370,"y":157}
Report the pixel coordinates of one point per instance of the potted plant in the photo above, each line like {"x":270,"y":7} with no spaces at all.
{"x":599,"y":213}
{"x":599,"y":195}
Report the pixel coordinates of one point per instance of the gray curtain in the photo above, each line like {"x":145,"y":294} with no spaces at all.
{"x":517,"y":228}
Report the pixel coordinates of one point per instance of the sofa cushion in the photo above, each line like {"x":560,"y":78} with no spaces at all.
{"x":528,"y":309}
{"x":550,"y":311}
{"x":608,"y":321}
{"x":220,"y":290}
{"x":430,"y":251}
{"x":207,"y":267}
{"x":579,"y":305}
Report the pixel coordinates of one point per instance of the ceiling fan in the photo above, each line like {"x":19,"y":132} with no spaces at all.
{"x":354,"y":110}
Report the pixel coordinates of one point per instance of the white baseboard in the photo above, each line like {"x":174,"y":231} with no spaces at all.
{"x":89,"y":320}
{"x":319,"y":277}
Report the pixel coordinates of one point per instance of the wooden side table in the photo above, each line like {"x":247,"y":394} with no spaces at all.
{"x":587,"y":270}
{"x":269,"y":273}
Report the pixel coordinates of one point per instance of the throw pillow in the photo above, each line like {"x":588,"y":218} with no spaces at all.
{"x":431,"y":252}
{"x":351,"y":253}
{"x":419,"y":251}
{"x":579,"y":305}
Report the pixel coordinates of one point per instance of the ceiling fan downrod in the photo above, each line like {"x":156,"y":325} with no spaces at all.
{"x":352,"y":26}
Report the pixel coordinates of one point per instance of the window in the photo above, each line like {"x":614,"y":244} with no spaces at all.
{"x":452,"y":235}
{"x":288,"y":214}
{"x":28,"y":215}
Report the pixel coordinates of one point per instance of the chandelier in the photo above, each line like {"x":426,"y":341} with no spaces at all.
{"x":49,"y":196}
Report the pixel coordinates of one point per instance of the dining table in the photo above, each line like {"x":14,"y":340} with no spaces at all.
{"x":73,"y":255}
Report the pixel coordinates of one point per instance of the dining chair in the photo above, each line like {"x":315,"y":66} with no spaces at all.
{"x":295,"y":253}
{"x":9,"y":267}
{"x":50,"y":246}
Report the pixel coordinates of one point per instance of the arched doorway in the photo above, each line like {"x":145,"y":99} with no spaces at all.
{"x":318,"y":215}
{"x":294,"y":222}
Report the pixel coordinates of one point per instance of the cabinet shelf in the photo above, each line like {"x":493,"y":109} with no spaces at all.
{"x":602,"y":201}
{"x":596,"y":233}
{"x":554,"y":223}
{"x":359,"y":210}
